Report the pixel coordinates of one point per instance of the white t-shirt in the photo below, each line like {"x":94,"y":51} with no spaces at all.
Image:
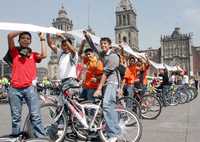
{"x":185,"y":79}
{"x":66,"y":69}
{"x":173,"y":78}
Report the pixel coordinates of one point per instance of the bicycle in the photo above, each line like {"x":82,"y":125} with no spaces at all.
{"x":88,"y":119}
{"x":174,"y":95}
{"x":150,"y":105}
{"x":44,"y":95}
{"x":147,"y":106}
{"x":4,"y":93}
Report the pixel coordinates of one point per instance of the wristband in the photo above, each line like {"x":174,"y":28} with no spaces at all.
{"x":42,"y":39}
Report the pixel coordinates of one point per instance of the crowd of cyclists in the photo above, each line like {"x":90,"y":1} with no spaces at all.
{"x":119,"y":78}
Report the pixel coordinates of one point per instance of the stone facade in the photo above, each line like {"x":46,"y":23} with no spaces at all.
{"x":126,"y":28}
{"x":154,"y":55}
{"x":5,"y":69}
{"x":196,"y":59}
{"x":41,"y":73}
{"x":177,"y":49}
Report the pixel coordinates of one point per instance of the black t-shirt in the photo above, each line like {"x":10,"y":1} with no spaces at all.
{"x":165,"y":79}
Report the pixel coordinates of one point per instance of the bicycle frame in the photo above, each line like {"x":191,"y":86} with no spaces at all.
{"x":78,"y":110}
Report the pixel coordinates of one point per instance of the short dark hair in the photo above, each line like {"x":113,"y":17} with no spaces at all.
{"x":67,"y":40}
{"x":131,"y":57}
{"x":88,"y":50}
{"x":106,"y":39}
{"x":25,"y":33}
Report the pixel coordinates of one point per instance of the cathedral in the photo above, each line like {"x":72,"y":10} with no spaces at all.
{"x":177,"y":49}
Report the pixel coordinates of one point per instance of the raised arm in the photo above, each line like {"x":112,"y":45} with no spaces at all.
{"x":43,"y":53}
{"x":51,"y":43}
{"x":80,"y":52}
{"x":90,"y":42}
{"x":11,"y":37}
{"x":72,"y":49}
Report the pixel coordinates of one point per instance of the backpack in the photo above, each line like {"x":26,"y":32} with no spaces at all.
{"x":8,"y":58}
{"x":120,"y":69}
{"x":23,"y":52}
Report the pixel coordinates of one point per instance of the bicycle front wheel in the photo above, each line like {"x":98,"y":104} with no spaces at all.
{"x":56,"y":130}
{"x":129,"y":103}
{"x":83,"y":133}
{"x":130,"y":125}
{"x":150,"y":107}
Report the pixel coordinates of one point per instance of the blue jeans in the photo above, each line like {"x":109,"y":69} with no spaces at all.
{"x":110,"y":115}
{"x":87,"y":94}
{"x":129,"y":92}
{"x":165,"y":91}
{"x":16,"y":97}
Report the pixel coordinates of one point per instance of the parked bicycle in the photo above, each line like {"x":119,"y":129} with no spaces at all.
{"x":148,"y":106}
{"x":85,"y":118}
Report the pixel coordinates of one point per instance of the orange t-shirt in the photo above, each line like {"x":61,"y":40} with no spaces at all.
{"x":94,"y":70}
{"x":146,"y":68}
{"x":130,"y":74}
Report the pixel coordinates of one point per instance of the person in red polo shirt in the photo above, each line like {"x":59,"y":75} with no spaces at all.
{"x":23,"y":73}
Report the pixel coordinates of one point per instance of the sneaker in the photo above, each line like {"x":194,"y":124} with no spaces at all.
{"x":112,"y":139}
{"x":128,"y":121}
{"x":52,"y":131}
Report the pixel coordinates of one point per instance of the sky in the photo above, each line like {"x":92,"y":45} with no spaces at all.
{"x":154,"y":17}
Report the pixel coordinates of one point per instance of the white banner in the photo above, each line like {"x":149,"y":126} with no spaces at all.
{"x":170,"y":68}
{"x":79,"y":34}
{"x":28,"y":27}
{"x":157,"y":65}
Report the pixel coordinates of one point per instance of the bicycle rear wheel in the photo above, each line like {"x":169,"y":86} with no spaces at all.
{"x":194,"y":92}
{"x":183,"y":96}
{"x":56,"y":130}
{"x":131,"y":127}
{"x":150,"y":107}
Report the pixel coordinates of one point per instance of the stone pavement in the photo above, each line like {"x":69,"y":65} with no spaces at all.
{"x":175,"y":124}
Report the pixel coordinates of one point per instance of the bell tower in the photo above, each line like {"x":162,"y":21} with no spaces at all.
{"x":126,"y":27}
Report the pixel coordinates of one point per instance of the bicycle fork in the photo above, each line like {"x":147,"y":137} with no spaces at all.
{"x":79,"y":115}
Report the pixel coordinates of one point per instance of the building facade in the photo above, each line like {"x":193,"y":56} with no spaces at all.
{"x":5,"y":69}
{"x":196,"y":59}
{"x":64,"y":23}
{"x":176,"y":49}
{"x":126,"y":24}
{"x":41,"y":73}
{"x":154,"y":55}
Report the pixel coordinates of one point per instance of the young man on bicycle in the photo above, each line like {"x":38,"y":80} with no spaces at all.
{"x":23,"y":73}
{"x":111,"y":78}
{"x":67,"y":61}
{"x":94,"y":71}
{"x":130,"y":77}
{"x":67,"y":58}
